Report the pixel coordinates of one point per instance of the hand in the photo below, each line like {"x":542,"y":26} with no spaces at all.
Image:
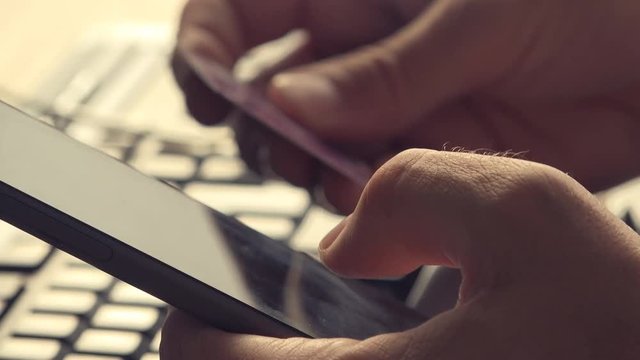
{"x":548,"y":273}
{"x":558,"y":81}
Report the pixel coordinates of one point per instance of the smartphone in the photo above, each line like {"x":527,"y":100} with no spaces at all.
{"x":154,"y":237}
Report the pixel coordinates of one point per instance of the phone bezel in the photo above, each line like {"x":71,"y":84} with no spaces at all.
{"x":134,"y":267}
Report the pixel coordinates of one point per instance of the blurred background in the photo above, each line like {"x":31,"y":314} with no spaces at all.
{"x":41,"y":39}
{"x":38,"y":35}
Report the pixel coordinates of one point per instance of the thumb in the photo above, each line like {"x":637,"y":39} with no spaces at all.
{"x":483,"y":214}
{"x":452,"y":48}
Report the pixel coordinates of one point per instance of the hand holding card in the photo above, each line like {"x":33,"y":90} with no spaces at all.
{"x":250,"y":99}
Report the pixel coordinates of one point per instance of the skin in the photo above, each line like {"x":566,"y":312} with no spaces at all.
{"x":556,"y":81}
{"x":548,"y":273}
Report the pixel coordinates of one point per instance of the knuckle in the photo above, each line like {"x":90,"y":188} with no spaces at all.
{"x":380,"y":61}
{"x":385,"y":63}
{"x":398,"y":173}
{"x":408,"y":163}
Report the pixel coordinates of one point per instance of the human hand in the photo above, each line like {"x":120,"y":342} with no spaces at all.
{"x":558,"y":81}
{"x":548,"y":273}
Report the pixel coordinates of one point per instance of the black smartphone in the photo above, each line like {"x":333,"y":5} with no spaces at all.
{"x":154,"y":237}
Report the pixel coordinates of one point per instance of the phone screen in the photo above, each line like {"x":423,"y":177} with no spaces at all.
{"x":206,"y":246}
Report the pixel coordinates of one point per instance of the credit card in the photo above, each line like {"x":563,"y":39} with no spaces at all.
{"x":250,"y":99}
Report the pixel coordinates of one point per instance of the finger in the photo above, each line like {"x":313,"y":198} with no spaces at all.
{"x":205,"y":106}
{"x":267,"y":153}
{"x":186,"y":338}
{"x":341,"y":192}
{"x":427,"y":200}
{"x":461,"y":210}
{"x":381,"y":90}
{"x":329,"y":188}
{"x":292,"y":163}
{"x":251,"y":137}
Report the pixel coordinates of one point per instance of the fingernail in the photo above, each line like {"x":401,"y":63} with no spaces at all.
{"x":305,"y":92}
{"x":331,"y":237}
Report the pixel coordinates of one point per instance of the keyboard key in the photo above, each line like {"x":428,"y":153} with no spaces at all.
{"x":273,"y":226}
{"x":620,"y":199}
{"x":108,"y":342}
{"x":7,"y":232}
{"x":155,"y":343}
{"x":84,"y":278}
{"x":109,"y":141}
{"x":125,"y":317}
{"x":83,"y":84}
{"x":47,"y":325}
{"x":119,"y":89}
{"x":174,"y":167}
{"x":71,"y":260}
{"x":219,"y":168}
{"x":47,"y":119}
{"x":219,"y":133}
{"x":28,"y":349}
{"x":150,"y":356}
{"x":270,"y":198}
{"x":186,"y":145}
{"x":116,"y":153}
{"x":124,"y":293}
{"x":147,"y":148}
{"x":66,"y":301}
{"x":90,"y":357}
{"x":10,"y":285}
{"x":87,"y":134}
{"x":226,"y":147}
{"x":22,"y":251}
{"x":314,"y":226}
